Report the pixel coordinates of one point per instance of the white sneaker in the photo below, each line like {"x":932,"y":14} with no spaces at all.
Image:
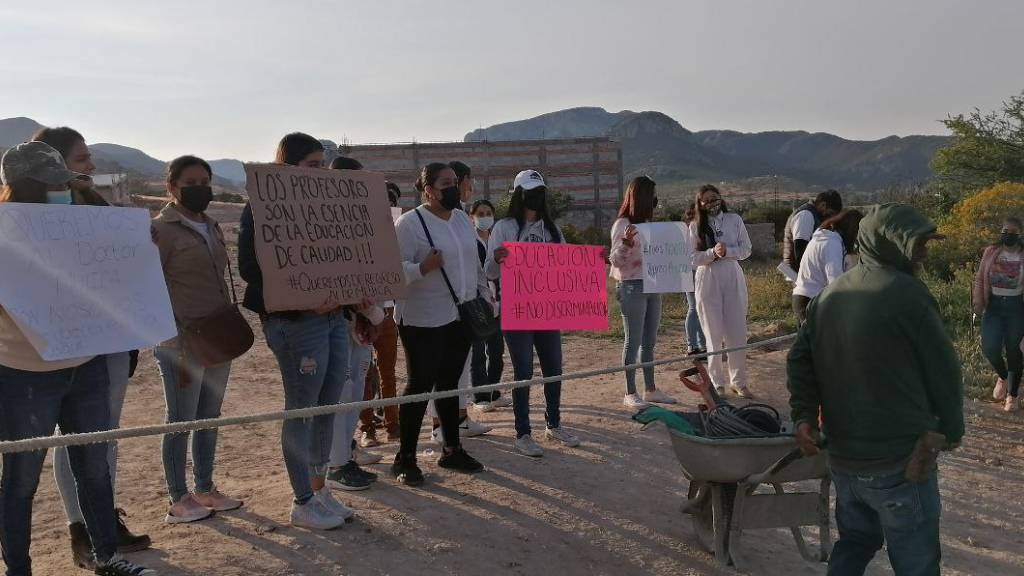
{"x":314,"y":514}
{"x":658,"y":396}
{"x":364,"y":458}
{"x":502,"y":402}
{"x":437,"y":436}
{"x":560,"y":435}
{"x":526,"y":446}
{"x":470,"y":427}
{"x":483,"y":406}
{"x":336,"y":508}
{"x":634,"y":401}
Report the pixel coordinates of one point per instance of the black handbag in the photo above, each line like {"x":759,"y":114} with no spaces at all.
{"x":477,"y":315}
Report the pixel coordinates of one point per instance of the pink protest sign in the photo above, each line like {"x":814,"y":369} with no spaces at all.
{"x":553,"y":287}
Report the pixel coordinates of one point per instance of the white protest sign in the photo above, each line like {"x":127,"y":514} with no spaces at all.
{"x":83,"y":280}
{"x":666,"y":257}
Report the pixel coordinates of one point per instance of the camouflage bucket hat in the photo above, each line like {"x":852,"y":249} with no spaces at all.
{"x":36,"y":161}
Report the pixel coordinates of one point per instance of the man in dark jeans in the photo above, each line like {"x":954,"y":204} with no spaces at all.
{"x":874,"y":358}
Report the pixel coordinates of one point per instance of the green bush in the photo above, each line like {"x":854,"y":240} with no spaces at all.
{"x":559,"y":203}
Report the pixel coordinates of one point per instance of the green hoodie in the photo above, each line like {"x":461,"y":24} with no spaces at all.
{"x":873,"y":354}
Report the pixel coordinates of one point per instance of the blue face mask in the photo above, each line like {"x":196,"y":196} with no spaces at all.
{"x":58,"y":197}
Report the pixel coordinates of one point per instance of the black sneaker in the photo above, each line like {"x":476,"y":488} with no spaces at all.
{"x":118,"y":565}
{"x":406,"y":471}
{"x":126,"y":541}
{"x":348,"y":477}
{"x":459,"y":460}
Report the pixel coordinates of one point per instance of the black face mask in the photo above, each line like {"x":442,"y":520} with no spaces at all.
{"x":195,"y":198}
{"x":450,"y":198}
{"x":1009,"y":238}
{"x":533,"y":200}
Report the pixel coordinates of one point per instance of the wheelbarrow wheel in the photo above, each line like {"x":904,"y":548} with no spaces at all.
{"x":699,"y":505}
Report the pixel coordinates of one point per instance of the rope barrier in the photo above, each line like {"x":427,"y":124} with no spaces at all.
{"x":46,"y":442}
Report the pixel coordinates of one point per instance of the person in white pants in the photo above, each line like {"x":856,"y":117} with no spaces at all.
{"x":719,"y":240}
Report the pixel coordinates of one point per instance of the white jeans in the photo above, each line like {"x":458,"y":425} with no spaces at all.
{"x":721,"y":292}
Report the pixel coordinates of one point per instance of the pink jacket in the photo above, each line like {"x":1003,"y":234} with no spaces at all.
{"x":982,"y":288}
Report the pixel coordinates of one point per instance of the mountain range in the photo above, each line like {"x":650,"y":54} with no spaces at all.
{"x":652,"y":144}
{"x":657,"y":145}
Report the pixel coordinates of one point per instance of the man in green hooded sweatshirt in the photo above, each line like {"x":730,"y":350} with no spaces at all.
{"x":874,"y":358}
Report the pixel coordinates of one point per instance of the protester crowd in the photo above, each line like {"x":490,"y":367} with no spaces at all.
{"x":452,"y":251}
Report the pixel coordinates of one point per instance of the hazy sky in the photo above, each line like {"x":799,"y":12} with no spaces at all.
{"x":228,"y":79}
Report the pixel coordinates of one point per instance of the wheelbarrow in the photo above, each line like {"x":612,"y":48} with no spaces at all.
{"x":724,"y":475}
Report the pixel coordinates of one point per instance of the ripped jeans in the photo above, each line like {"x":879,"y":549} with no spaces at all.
{"x":312,"y":353}
{"x":873,"y":510}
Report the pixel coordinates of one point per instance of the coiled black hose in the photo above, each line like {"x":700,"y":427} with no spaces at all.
{"x":752,"y":420}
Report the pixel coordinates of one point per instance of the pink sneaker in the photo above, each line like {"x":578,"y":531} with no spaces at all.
{"x":999,"y":392}
{"x":187,"y":510}
{"x":214,"y":500}
{"x":1012,"y":404}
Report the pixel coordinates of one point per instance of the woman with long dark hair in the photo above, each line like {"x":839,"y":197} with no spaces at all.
{"x":194,"y":257}
{"x":695,"y":343}
{"x":641,"y":313}
{"x":998,"y":298}
{"x":72,"y":147}
{"x":438,"y":250}
{"x":311,"y":347}
{"x":38,"y":395}
{"x":825,"y":257}
{"x":720,"y":241}
{"x":528,"y":220}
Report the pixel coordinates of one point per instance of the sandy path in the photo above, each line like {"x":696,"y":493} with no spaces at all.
{"x":608,"y":507}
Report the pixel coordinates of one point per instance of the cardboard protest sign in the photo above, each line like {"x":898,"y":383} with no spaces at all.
{"x":83,"y":280}
{"x":553,"y":287}
{"x":323,"y":236}
{"x":665,"y":249}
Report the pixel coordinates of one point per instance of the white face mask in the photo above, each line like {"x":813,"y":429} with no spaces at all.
{"x":484,"y":222}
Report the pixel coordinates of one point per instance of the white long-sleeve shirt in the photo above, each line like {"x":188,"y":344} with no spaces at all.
{"x":430,"y":303}
{"x":507,"y":230}
{"x":734,"y":237}
{"x":822,"y":263}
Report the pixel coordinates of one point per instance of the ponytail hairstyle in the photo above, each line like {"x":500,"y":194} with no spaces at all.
{"x":705,"y":234}
{"x":517,"y":210}
{"x":847,"y":225}
{"x":429,"y":175}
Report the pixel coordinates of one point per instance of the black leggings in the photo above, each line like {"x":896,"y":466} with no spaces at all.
{"x":434,"y":359}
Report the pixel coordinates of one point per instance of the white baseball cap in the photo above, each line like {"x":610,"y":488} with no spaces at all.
{"x":528,"y":179}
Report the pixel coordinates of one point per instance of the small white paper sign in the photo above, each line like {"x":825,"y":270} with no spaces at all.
{"x":665,"y":249}
{"x":83,"y":280}
{"x":396,"y":211}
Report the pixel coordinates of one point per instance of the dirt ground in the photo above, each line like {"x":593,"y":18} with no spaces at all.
{"x":607,"y":507}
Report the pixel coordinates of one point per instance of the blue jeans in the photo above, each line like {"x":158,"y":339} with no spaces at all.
{"x":312,"y":353}
{"x":694,"y":335}
{"x":199,"y":399}
{"x":355,"y":384}
{"x":117,"y":369}
{"x":1002,"y":328}
{"x":32,"y":404}
{"x":521,"y":344}
{"x":905,"y":516}
{"x":487,"y":364}
{"x":641,"y":315}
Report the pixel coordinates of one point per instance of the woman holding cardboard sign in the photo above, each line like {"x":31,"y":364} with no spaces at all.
{"x":311,"y":347}
{"x":720,"y":241}
{"x":438,"y":248}
{"x":194,"y":257}
{"x":37,"y":395}
{"x":641,"y":313}
{"x":528,"y":221}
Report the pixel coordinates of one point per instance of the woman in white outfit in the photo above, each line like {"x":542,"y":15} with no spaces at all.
{"x":830,"y":252}
{"x":719,"y":239}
